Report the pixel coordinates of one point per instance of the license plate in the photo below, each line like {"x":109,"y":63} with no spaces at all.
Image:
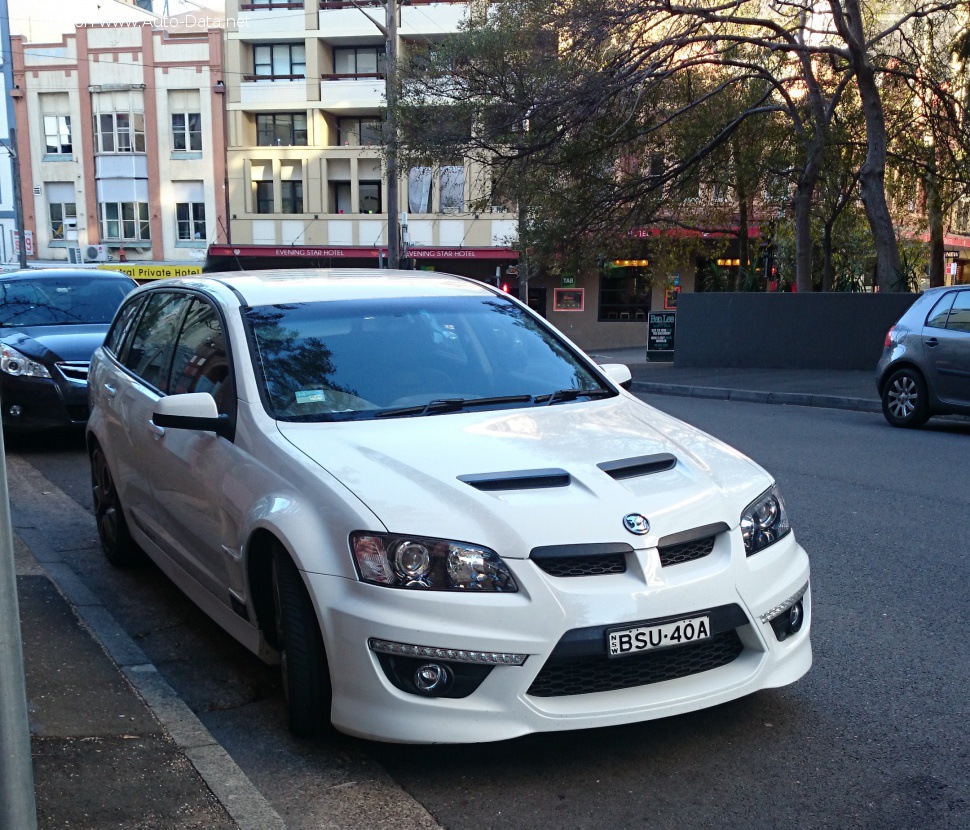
{"x":634,"y":640}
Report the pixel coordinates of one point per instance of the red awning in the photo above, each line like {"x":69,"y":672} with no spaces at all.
{"x":358,"y":252}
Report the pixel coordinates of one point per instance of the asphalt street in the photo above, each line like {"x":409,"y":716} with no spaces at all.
{"x":873,"y":737}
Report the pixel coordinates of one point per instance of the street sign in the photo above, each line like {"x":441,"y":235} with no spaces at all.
{"x":660,"y":336}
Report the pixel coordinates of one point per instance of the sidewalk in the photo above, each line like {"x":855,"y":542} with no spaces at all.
{"x":102,"y":756}
{"x":830,"y":388}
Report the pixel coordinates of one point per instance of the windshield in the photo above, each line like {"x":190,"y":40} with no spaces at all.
{"x":343,"y":360}
{"x":56,"y":301}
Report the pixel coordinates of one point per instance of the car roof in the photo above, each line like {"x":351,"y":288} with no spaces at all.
{"x":269,"y":287}
{"x":55,"y":273}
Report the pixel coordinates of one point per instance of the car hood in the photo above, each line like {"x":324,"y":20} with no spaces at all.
{"x":50,"y":343}
{"x":409,"y":472}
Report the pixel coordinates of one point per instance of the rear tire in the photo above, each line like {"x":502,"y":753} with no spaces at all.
{"x":905,"y":399}
{"x":119,"y":548}
{"x":303,"y":659}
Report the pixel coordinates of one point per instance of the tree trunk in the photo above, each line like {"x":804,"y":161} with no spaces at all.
{"x":802,"y":204}
{"x":872,"y":174}
{"x":744,"y":253}
{"x":934,"y":213}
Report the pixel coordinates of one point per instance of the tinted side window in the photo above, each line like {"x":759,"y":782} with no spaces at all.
{"x":959,"y":318}
{"x":201,"y":362}
{"x":150,"y":353}
{"x":122,"y":324}
{"x":938,"y":315}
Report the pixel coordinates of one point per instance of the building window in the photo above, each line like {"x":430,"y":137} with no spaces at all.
{"x":286,"y":61}
{"x":291,"y":196}
{"x":63,"y":220}
{"x":370,"y":197}
{"x":125,"y":221}
{"x":359,"y":132}
{"x":624,"y":292}
{"x":281,"y":129}
{"x":190,"y":220}
{"x":120,"y":132}
{"x":264,"y":197}
{"x":359,"y":60}
{"x":57,"y":129}
{"x":187,"y":131}
{"x":452,"y":189}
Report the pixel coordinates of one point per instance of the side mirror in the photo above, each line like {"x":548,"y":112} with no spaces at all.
{"x":619,"y":373}
{"x":195,"y":410}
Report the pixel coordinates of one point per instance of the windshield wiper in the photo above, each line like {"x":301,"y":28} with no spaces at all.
{"x":440,"y":405}
{"x":570,"y":395}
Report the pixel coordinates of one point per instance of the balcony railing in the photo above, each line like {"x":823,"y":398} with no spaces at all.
{"x":276,"y":4}
{"x":274,"y":77}
{"x":355,"y":76}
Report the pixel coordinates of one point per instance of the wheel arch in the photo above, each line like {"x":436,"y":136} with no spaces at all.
{"x":905,"y":363}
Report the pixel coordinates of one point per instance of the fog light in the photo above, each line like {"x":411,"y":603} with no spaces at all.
{"x":15,"y":411}
{"x":431,"y":678}
{"x":795,"y":617}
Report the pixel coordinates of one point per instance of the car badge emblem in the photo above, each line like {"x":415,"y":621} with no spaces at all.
{"x":636,"y":523}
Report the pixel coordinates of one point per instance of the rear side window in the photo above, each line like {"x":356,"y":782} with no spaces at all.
{"x":150,"y":354}
{"x":940,"y":312}
{"x":959,"y":319}
{"x":118,"y":333}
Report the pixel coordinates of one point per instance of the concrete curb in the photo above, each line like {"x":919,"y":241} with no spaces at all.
{"x":246,"y":806}
{"x":755,"y":396}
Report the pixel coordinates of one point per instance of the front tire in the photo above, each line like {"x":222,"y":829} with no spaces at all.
{"x":119,"y":548}
{"x":303,"y":660}
{"x":905,"y":399}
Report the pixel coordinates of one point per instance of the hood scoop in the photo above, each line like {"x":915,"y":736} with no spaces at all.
{"x":518,"y":480}
{"x":643,"y":465}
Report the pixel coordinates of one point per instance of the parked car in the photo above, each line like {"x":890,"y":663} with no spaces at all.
{"x":925,"y":365}
{"x":443,"y":519}
{"x":51,"y":321}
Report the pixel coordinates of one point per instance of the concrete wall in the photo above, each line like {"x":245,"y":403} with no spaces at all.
{"x":805,"y":331}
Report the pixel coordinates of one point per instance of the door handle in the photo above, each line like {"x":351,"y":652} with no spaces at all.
{"x":155,"y":429}
{"x":110,"y":390}
{"x":932,"y":342}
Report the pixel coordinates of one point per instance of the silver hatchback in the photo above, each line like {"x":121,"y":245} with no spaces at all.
{"x":925,"y":365}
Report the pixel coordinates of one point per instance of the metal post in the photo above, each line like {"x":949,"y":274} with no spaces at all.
{"x":18,"y":198}
{"x":393,"y":221}
{"x":17,"y":806}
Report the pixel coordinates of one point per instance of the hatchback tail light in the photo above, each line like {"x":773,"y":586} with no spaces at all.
{"x":889,"y":337}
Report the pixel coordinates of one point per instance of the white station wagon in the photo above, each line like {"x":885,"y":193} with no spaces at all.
{"x":435,"y":512}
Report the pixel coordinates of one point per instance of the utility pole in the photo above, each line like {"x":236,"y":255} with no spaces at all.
{"x":390,"y":72}
{"x":389,"y":30}
{"x":18,"y":197}
{"x":17,"y":804}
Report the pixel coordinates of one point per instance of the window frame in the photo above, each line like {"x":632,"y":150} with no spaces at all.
{"x":193,"y":221}
{"x":62,"y":127}
{"x":125,"y":135}
{"x":291,"y":190}
{"x":260,"y":199}
{"x":137,"y":219}
{"x":191,"y":139}
{"x":292,"y":132}
{"x":272,"y":75}
{"x":65,"y":215}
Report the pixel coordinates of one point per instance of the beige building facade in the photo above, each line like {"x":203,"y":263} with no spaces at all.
{"x":121,"y":144}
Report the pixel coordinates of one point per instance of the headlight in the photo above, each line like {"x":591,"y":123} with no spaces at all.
{"x":14,"y":363}
{"x":428,"y":564}
{"x":764,"y":521}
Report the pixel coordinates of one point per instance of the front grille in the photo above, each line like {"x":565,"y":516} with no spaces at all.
{"x":686,"y":551}
{"x":613,"y":563}
{"x":598,"y":673}
{"x":77,"y":372}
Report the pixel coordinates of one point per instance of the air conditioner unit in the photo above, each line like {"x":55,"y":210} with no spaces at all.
{"x":74,"y":255}
{"x":95,"y":253}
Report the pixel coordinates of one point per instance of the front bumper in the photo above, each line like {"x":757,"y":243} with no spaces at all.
{"x":30,"y":404}
{"x":552,"y":611}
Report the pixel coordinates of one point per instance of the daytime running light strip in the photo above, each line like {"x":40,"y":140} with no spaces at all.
{"x":781,"y":608}
{"x":491,"y":658}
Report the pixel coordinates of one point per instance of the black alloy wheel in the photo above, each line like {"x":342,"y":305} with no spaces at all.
{"x":303,"y":660}
{"x":904,"y":399}
{"x":119,"y":548}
